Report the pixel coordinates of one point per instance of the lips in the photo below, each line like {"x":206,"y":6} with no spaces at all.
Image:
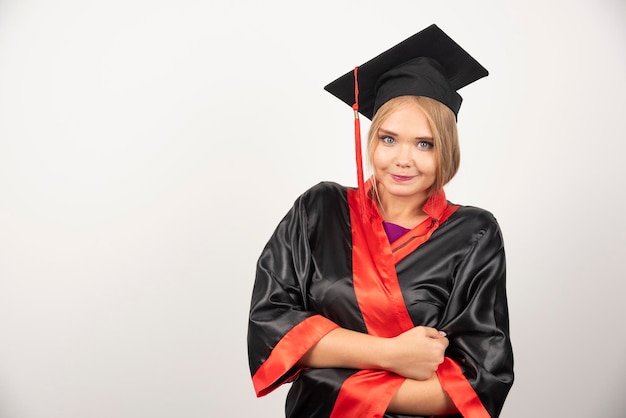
{"x":401,"y":178}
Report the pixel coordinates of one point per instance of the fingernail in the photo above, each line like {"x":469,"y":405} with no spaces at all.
{"x":442,"y":333}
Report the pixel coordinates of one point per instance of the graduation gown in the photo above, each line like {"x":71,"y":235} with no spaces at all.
{"x":329,"y":264}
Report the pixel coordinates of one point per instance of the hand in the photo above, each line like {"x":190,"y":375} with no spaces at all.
{"x":416,"y":353}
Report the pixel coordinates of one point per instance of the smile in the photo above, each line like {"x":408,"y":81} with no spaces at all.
{"x":401,"y":178}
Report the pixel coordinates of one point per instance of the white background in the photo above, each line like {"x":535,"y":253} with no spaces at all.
{"x":149,"y":148}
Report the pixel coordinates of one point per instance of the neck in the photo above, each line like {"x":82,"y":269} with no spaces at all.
{"x":403,"y":211}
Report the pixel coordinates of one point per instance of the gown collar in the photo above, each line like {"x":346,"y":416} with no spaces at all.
{"x":434,"y":206}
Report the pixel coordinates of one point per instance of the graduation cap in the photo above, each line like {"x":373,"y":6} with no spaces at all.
{"x":428,"y":63}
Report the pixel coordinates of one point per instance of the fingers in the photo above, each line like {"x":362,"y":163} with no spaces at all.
{"x":444,"y":341}
{"x":433,"y":332}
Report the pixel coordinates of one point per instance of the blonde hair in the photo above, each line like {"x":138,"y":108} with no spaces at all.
{"x":442,"y":123}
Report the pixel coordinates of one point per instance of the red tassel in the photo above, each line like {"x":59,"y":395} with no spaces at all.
{"x":357,"y":144}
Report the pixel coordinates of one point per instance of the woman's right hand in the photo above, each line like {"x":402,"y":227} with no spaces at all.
{"x":416,"y":353}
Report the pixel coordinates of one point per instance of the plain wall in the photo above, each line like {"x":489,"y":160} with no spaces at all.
{"x":149,"y":148}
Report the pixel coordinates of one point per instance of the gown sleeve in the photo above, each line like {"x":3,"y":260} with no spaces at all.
{"x":280,"y":328}
{"x":477,"y":372}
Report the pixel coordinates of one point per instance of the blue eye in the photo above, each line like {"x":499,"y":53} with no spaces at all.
{"x":425,"y":145}
{"x":387,"y":140}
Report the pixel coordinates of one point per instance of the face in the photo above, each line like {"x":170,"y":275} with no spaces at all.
{"x":404,"y":158}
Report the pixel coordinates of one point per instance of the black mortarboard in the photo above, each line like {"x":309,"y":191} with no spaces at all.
{"x":428,"y":63}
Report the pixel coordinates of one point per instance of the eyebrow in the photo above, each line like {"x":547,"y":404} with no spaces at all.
{"x":391,"y":133}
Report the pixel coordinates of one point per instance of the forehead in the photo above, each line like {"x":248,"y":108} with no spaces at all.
{"x":408,"y":118}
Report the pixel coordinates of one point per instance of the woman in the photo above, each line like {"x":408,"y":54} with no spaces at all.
{"x":388,"y":300}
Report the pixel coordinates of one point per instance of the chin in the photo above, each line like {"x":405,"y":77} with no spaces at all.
{"x":407,"y":193}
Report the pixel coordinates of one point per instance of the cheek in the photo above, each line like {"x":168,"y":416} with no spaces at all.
{"x":428,"y":164}
{"x":433,"y":165}
{"x":378,"y":159}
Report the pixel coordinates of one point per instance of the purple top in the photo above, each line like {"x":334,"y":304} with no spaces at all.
{"x":394,"y":231}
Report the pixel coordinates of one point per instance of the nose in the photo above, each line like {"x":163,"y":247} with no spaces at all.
{"x":403,"y":156}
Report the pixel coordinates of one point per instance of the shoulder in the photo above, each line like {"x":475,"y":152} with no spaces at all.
{"x":475,"y":223}
{"x":475,"y":215}
{"x":324,"y":204}
{"x":323,"y":193}
{"x":324,"y":188}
